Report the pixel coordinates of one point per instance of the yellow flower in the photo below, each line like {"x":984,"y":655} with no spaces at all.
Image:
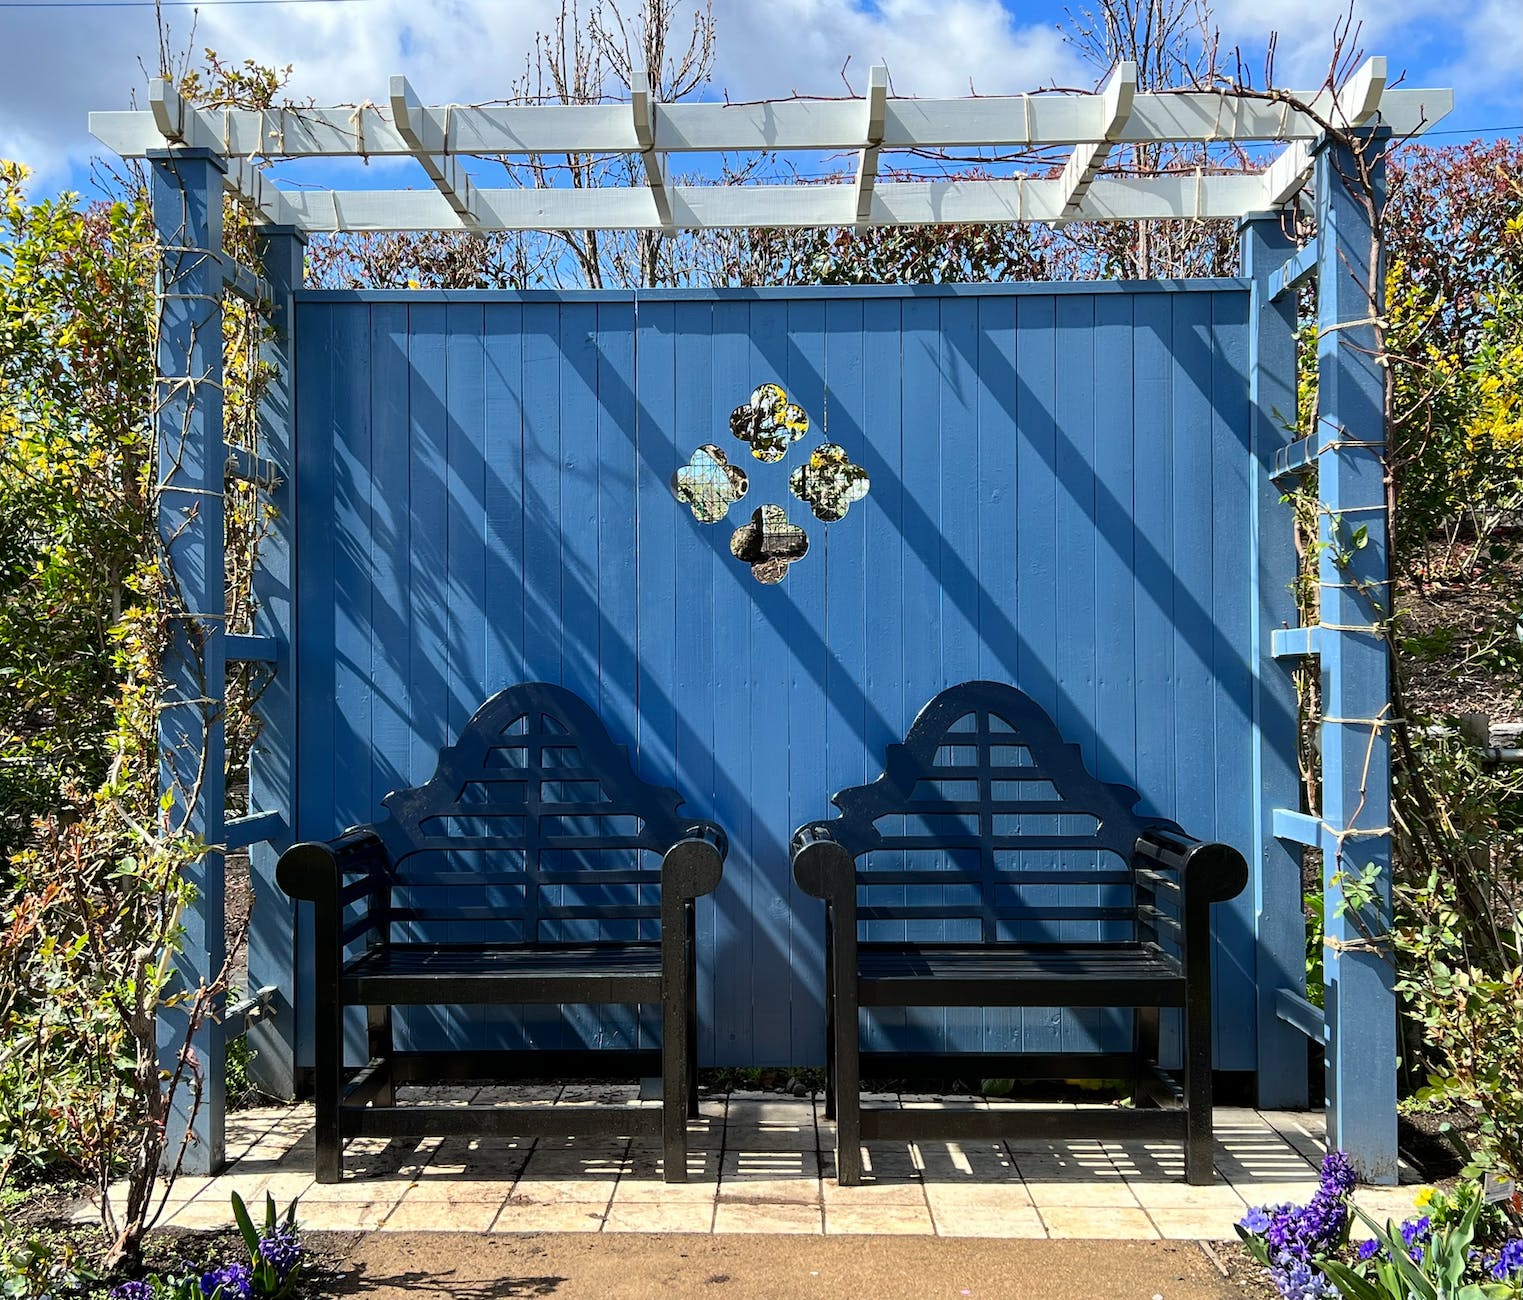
{"x":1424,"y":1198}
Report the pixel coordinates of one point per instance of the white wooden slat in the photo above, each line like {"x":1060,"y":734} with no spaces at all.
{"x":715,"y":206}
{"x":875,"y":107}
{"x":642,"y":110}
{"x":1016,"y":121}
{"x":1117,"y":94}
{"x":423,"y":135}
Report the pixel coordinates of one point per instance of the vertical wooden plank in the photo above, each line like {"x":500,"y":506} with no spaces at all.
{"x":465,"y":581}
{"x":1115,"y":460}
{"x":808,"y":659}
{"x":768,"y":720}
{"x":889,"y":710}
{"x":313,"y":653}
{"x":388,"y":547}
{"x":274,"y":939}
{"x":186,"y":193}
{"x":958,"y":491}
{"x":1036,"y":541}
{"x":693,"y":424}
{"x":503,"y":560}
{"x":355,"y":801}
{"x":580,"y":622}
{"x":1233,"y":575}
{"x":428,"y":608}
{"x":1279,"y":922}
{"x":923,"y":1028}
{"x":734,"y":932}
{"x":1078,"y":521}
{"x":998,"y":510}
{"x":1356,"y":778}
{"x":1153,"y":609}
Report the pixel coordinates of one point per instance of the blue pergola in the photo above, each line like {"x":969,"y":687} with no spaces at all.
{"x":195,"y":156}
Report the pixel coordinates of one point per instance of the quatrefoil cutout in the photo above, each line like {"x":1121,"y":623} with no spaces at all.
{"x":769,"y":422}
{"x":828,"y":482}
{"x":769,"y":544}
{"x":709,"y":485}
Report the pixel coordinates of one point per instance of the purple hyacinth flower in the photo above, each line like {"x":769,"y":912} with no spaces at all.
{"x":1368,"y":1249}
{"x":231,"y":1282}
{"x":281,"y":1250}
{"x":1255,"y":1221}
{"x":1337,"y":1174}
{"x":1510,"y":1261}
{"x":1414,"y":1231}
{"x":135,"y":1290}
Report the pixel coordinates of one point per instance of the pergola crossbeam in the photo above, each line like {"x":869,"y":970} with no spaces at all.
{"x":1358,"y":101}
{"x":1093,"y":126}
{"x":1084,"y":164}
{"x":643,"y":113}
{"x":876,"y":106}
{"x":416,"y":126}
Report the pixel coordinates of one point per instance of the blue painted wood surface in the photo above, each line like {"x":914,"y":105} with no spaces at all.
{"x":1061,"y":498}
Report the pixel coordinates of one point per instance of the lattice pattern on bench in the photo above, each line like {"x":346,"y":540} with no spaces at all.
{"x":987,"y":827}
{"x":540,"y":815}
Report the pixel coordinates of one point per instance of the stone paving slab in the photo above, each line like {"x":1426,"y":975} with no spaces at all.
{"x":763,"y":1164}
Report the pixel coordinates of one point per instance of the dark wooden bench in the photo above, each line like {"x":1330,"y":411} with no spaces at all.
{"x":987,"y":868}
{"x":524,"y":872}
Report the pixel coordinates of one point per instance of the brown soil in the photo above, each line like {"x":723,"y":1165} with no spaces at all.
{"x":571,"y":1266}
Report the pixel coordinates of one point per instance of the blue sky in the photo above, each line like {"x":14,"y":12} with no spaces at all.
{"x":65,"y":57}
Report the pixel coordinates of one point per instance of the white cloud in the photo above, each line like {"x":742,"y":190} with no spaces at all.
{"x":62,"y":64}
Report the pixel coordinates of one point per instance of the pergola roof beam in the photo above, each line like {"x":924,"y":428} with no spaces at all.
{"x":696,"y":207}
{"x":643,"y":112}
{"x":1357,"y":102}
{"x":876,"y":107}
{"x":176,"y":122}
{"x":1117,"y":95}
{"x":1018,"y":121}
{"x":416,"y":126}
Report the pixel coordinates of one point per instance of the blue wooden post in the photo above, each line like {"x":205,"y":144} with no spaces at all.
{"x":1279,"y":921}
{"x":1354,"y":577}
{"x":187,"y":212}
{"x":273,"y":937}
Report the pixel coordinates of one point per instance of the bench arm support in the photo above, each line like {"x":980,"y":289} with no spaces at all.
{"x":823,"y":868}
{"x":314,"y":870}
{"x":1208,"y":872}
{"x":694,"y":865}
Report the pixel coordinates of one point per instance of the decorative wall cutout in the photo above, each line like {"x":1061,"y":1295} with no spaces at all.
{"x":769,"y":544}
{"x":769,"y":422}
{"x":709,"y":485}
{"x":828,"y":483}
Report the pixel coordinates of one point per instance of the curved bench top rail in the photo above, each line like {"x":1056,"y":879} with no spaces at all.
{"x":534,"y":772}
{"x":984,"y":767}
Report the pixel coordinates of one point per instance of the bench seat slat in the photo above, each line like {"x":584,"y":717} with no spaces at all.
{"x":429,"y":974}
{"x":1089,"y":975}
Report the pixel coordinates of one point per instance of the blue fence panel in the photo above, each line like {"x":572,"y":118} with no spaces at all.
{"x":1060,"y":493}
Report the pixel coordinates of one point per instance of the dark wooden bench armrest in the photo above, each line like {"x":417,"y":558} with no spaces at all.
{"x":695,"y":863}
{"x":1207,"y":871}
{"x":822,"y":866}
{"x":315,"y":870}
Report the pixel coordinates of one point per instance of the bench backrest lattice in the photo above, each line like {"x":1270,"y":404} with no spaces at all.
{"x":533,"y":829}
{"x":986,"y":827}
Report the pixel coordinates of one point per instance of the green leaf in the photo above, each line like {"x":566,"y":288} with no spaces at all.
{"x":245,"y":1225}
{"x":1349,"y":1283}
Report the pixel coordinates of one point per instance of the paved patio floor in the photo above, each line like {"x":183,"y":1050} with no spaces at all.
{"x":760,"y":1163}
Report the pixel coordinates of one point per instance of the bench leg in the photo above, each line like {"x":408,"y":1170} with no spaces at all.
{"x":1199,"y":1149}
{"x":378,"y":1029}
{"x":847,"y":1053}
{"x":692,"y":1010}
{"x":830,"y":1029}
{"x":328,"y":1083}
{"x":674,"y":1059}
{"x":1145,"y":1049}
